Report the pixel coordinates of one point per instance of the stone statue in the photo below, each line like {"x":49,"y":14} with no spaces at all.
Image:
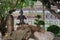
{"x":21,"y":17}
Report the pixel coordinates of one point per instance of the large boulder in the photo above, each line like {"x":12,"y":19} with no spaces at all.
{"x":44,"y":36}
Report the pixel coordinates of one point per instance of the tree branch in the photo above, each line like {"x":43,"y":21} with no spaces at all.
{"x":52,"y":11}
{"x":55,"y":3}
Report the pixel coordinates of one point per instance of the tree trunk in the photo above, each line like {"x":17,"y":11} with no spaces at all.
{"x":10,"y":23}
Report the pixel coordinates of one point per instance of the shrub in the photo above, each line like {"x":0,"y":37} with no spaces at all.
{"x":53,"y":28}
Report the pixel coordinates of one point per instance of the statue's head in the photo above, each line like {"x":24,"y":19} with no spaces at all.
{"x":21,"y":12}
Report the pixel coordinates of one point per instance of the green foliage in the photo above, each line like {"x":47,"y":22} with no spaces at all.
{"x":58,"y":34}
{"x":42,"y":22}
{"x":6,"y":5}
{"x":38,"y":16}
{"x":38,"y":22}
{"x":59,"y":12}
{"x":3,"y":30}
{"x":53,"y":28}
{"x":33,"y":0}
{"x":48,"y":5}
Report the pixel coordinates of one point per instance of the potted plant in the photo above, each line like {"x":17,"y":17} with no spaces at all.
{"x":38,"y":22}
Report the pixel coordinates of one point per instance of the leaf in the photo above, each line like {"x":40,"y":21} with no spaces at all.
{"x":36,"y":20}
{"x":41,"y":22}
{"x":36,"y":23}
{"x":38,"y":16}
{"x":59,"y":12}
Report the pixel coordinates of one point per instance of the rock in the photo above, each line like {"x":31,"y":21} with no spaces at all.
{"x":44,"y":36}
